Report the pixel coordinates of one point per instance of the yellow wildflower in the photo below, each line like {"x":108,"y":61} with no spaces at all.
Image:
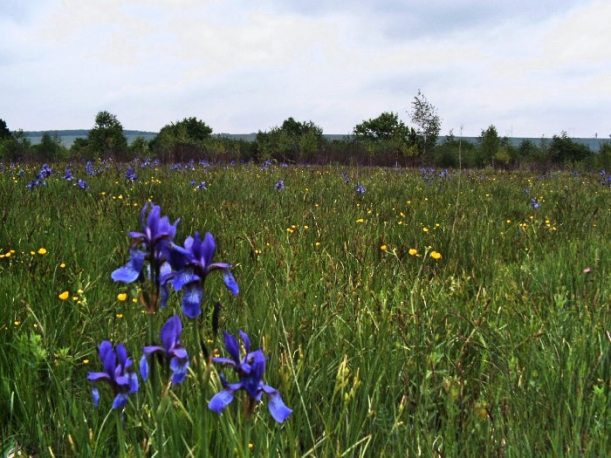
{"x":64,"y":296}
{"x":435,"y":255}
{"x":122,"y":297}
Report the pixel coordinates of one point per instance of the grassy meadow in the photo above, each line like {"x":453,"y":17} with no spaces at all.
{"x":432,"y":315}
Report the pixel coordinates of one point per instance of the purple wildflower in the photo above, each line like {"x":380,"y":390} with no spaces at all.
{"x":192,"y":264}
{"x":172,"y":350}
{"x":131,"y":175}
{"x":117,"y":372}
{"x":68,"y":174}
{"x":250,"y":370}
{"x":155,"y":239}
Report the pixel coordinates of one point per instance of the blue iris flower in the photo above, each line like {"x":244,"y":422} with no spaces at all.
{"x":250,"y":370}
{"x":192,"y":264}
{"x":68,"y":174}
{"x":155,"y":239}
{"x":172,"y":351}
{"x":131,"y":175}
{"x":118,"y":373}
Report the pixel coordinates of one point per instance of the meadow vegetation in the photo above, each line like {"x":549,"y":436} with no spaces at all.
{"x":403,"y":312}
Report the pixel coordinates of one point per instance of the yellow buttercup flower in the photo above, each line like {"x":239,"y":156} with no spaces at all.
{"x":435,"y":255}
{"x":62,"y":265}
{"x":42,"y":251}
{"x":383,"y":248}
{"x":122,"y":297}
{"x":64,"y":296}
{"x":413,"y":252}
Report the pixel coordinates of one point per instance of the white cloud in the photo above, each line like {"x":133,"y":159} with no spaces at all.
{"x":244,"y":66}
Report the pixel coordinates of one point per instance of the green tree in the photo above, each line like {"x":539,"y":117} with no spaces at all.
{"x":5,"y":133}
{"x":106,"y":138}
{"x":528,"y":151}
{"x":139,"y":147}
{"x":16,"y":147}
{"x":386,"y":138}
{"x":385,"y":127}
{"x":292,"y":141}
{"x":182,"y":140}
{"x":79,"y":149}
{"x":424,"y":115}
{"x":489,"y":144}
{"x":603,"y":159}
{"x":50,"y":148}
{"x":563,"y":150}
{"x":454,"y":152}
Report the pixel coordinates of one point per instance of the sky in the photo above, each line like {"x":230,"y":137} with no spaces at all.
{"x":531,"y":68}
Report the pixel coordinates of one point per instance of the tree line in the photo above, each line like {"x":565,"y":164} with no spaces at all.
{"x":381,"y":141}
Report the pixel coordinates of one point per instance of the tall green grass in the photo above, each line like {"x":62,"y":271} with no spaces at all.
{"x":499,"y":347}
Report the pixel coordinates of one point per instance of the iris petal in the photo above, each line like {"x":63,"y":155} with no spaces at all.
{"x":230,"y":283}
{"x":208,"y":248}
{"x":170,"y":332}
{"x":231,"y":344}
{"x":144,"y":368}
{"x":96,"y":395}
{"x":220,"y":400}
{"x":277,"y":408}
{"x":179,"y":368}
{"x":131,"y":271}
{"x":192,"y":300}
{"x":120,"y":400}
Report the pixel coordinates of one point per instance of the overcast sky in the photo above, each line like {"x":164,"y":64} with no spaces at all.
{"x":529,"y":67}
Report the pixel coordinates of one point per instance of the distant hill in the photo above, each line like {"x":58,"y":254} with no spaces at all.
{"x":68,"y":137}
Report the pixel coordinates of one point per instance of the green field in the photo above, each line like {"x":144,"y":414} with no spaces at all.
{"x":430,"y":316}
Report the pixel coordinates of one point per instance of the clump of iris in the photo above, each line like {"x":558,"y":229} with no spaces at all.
{"x":171,"y":350}
{"x":130,"y":174}
{"x":149,"y":245}
{"x":118,"y":373}
{"x":250,"y":370}
{"x":190,"y":265}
